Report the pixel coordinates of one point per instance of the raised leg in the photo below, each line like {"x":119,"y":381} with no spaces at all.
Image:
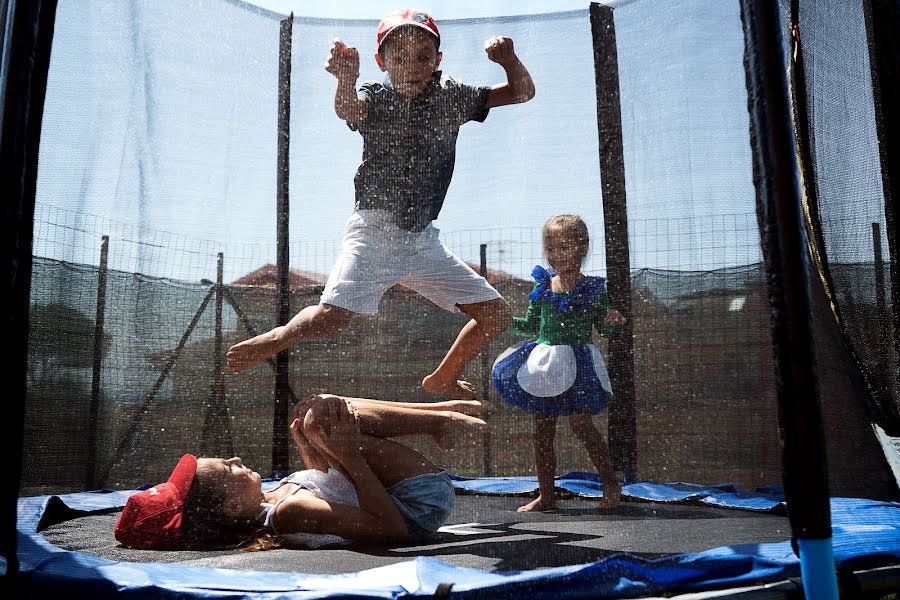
{"x":313,"y":322}
{"x":389,"y":460}
{"x":467,"y":407}
{"x":545,"y":461}
{"x":387,"y":419}
{"x":488,"y":320}
{"x":593,"y":441}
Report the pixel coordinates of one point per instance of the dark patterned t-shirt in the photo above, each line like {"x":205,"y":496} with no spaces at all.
{"x":409,"y":147}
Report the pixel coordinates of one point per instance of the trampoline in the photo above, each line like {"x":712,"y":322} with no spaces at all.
{"x":181,"y":184}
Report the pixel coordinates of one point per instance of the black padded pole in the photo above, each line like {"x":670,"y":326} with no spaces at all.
{"x":804,"y":136}
{"x":487,"y":459}
{"x":27,"y":39}
{"x":883,"y":32}
{"x":775,"y":171}
{"x":99,"y":326}
{"x":622,"y":421}
{"x":887,"y":372}
{"x":880,"y":298}
{"x":281,"y":409}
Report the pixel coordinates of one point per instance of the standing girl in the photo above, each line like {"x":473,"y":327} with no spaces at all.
{"x":562,"y":371}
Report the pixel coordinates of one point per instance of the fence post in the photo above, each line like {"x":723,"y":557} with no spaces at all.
{"x":486,"y":380}
{"x":99,"y":318}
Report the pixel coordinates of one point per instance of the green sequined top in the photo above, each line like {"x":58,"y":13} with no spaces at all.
{"x":560,"y":318}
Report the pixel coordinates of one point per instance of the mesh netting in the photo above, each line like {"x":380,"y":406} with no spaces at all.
{"x":157,"y":167}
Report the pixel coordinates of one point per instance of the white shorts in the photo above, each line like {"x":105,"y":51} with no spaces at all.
{"x":376,"y":255}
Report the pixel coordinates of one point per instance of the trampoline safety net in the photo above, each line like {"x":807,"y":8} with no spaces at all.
{"x":158,"y":207}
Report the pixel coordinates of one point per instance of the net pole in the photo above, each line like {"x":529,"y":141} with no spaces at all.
{"x":887,"y":373}
{"x":880,"y":298}
{"x":99,"y":326}
{"x":485,"y":382}
{"x":281,"y":408}
{"x":24,"y":63}
{"x":789,"y":273}
{"x":622,"y":417}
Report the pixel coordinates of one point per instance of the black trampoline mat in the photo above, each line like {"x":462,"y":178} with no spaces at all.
{"x":483,"y":532}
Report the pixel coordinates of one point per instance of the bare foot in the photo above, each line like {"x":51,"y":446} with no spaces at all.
{"x":457,"y":390}
{"x":538,"y":504}
{"x":456,"y":427}
{"x":248,"y":353}
{"x":612,"y":494}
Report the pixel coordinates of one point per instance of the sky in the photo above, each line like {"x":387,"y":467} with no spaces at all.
{"x":167,"y":126}
{"x":440,"y":9}
{"x":160,"y":126}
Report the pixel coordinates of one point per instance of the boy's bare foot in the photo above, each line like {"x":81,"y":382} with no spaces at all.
{"x":246,"y":354}
{"x":457,"y":390}
{"x":612,"y":494}
{"x":538,"y":504}
{"x":456,"y":427}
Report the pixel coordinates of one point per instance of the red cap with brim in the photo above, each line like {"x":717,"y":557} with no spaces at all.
{"x":152,"y":517}
{"x":407,"y":16}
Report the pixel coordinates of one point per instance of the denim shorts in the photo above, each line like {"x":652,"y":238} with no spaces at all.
{"x":424,"y":501}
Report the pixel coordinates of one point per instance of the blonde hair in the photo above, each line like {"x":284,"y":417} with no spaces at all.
{"x":572,"y":227}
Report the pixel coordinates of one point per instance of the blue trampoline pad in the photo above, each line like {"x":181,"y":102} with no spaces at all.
{"x":866,"y":535}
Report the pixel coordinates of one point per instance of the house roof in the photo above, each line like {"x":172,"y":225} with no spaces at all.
{"x":265,"y":277}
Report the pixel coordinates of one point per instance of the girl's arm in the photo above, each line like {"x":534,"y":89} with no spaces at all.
{"x":309,"y":514}
{"x":607,"y":321}
{"x":530,"y":324}
{"x":311,"y":457}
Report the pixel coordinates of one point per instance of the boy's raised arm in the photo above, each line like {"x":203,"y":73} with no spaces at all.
{"x":518,"y":87}
{"x":343,"y":63}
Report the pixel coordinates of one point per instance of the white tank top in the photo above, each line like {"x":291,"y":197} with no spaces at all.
{"x":332,"y":486}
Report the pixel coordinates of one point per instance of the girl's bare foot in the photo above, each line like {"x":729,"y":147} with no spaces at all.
{"x":457,"y":426}
{"x":457,"y":390}
{"x":612,"y":494}
{"x":538,"y":504}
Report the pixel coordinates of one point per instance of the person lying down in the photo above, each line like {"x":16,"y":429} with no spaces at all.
{"x":358,"y":484}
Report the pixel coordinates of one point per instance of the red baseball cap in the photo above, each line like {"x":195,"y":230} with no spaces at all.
{"x":152,"y":517}
{"x":407,"y":16}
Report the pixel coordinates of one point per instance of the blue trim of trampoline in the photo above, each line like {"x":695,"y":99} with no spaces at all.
{"x":590,"y":485}
{"x":866,"y":535}
{"x":817,"y":569}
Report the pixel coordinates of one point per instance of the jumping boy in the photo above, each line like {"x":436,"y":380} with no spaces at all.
{"x":409,"y":126}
